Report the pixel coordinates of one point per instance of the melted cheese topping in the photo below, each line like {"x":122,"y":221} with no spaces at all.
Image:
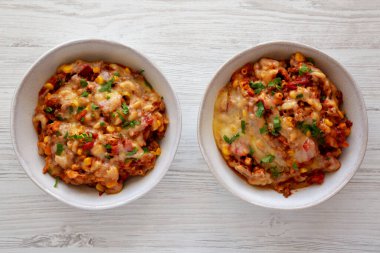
{"x":99,"y":124}
{"x":292,"y":140}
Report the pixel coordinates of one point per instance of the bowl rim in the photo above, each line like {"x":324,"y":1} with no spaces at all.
{"x":235,"y":192}
{"x":24,"y":165}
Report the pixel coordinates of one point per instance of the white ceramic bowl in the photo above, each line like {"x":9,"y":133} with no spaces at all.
{"x":307,"y":197}
{"x":25,"y":138}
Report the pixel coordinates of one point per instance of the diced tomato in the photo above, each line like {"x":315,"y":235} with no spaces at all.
{"x":300,"y":80}
{"x":88,"y":146}
{"x":115,"y":150}
{"x":94,"y":136}
{"x":148,"y":120}
{"x":81,"y":114}
{"x":87,"y":73}
{"x":318,"y":178}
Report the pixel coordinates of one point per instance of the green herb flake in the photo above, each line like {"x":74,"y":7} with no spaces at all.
{"x":141,"y":71}
{"x":243,"y":126}
{"x":66,"y":135}
{"x":264,"y":129}
{"x":311,"y":60}
{"x":260,"y":109}
{"x":59,"y":149}
{"x":295,"y":166}
{"x":132,"y":123}
{"x":116,"y":74}
{"x":71,"y":109}
{"x":82,"y":119}
{"x":108,"y":97}
{"x":267,"y":159}
{"x":84,"y":94}
{"x":107,"y":156}
{"x":125,"y":108}
{"x":80,"y":108}
{"x":251,"y":151}
{"x":232,"y":139}
{"x":275,"y":172}
{"x":107,"y":86}
{"x":299,"y":96}
{"x":83,"y":83}
{"x":257,"y":86}
{"x":58,"y":133}
{"x":314,"y":130}
{"x":108,"y":146}
{"x":275,"y":83}
{"x":60,"y":118}
{"x":121,"y":117}
{"x":276,"y":124}
{"x":146,"y":150}
{"x":56,"y":182}
{"x":94,"y":107}
{"x":102,"y":124}
{"x":303,"y":70}
{"x":48,"y":109}
{"x":131,"y":153}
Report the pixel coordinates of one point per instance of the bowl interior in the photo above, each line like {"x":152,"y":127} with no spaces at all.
{"x":25,"y":138}
{"x":351,"y":158}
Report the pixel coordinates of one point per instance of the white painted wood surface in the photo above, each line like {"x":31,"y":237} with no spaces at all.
{"x":189,"y":211}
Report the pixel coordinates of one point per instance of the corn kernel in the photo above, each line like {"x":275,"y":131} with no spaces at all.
{"x":79,"y":151}
{"x":99,"y":187}
{"x":303,"y":170}
{"x":156,"y":125}
{"x":126,"y":93}
{"x":235,"y":83}
{"x":67,"y":68}
{"x":341,"y":115}
{"x":49,"y":86}
{"x":308,"y":133}
{"x":75,"y":103}
{"x":46,"y":139}
{"x":118,"y":129}
{"x":328,"y":122}
{"x":290,"y":152}
{"x":111,"y":184}
{"x":244,"y":113}
{"x":99,"y":80}
{"x":293,"y":94}
{"x":299,"y":57}
{"x":110,"y":129}
{"x":87,"y":161}
{"x":158,"y":151}
{"x":115,"y":78}
{"x":96,"y":69}
{"x":225,"y":150}
{"x":127,"y":70}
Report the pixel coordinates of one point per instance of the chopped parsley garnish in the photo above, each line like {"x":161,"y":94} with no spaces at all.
{"x":94,"y":107}
{"x":80,"y":108}
{"x":148,"y":84}
{"x":232,"y":139}
{"x":58,"y":133}
{"x":71,"y":109}
{"x":66,"y":135}
{"x":299,"y":96}
{"x":267,"y":159}
{"x":146,"y":150}
{"x":275,"y":83}
{"x":258,"y":86}
{"x":121,"y":117}
{"x":83,"y":83}
{"x":295,"y":166}
{"x":264,"y":129}
{"x":56,"y":182}
{"x":125,"y":108}
{"x":48,"y":109}
{"x":303,"y":70}
{"x":260,"y":109}
{"x":107,"y":86}
{"x":116,"y":74}
{"x":86,"y":137}
{"x":82,"y":119}
{"x":274,"y":171}
{"x":102,"y":124}
{"x":251,"y":151}
{"x":132,"y":123}
{"x":108,"y":97}
{"x":243,"y":126}
{"x":313,"y":128}
{"x":141,"y":71}
{"x":276,"y":125}
{"x":311,"y":60}
{"x":59,"y":149}
{"x":60,"y":118}
{"x":323,"y":98}
{"x":108,"y":146}
{"x":84,"y":94}
{"x":131,"y":153}
{"x":107,"y":156}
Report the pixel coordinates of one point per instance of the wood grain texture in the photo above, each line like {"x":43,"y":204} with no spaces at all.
{"x":189,"y":211}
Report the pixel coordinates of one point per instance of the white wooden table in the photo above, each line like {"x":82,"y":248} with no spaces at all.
{"x":189,"y":211}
